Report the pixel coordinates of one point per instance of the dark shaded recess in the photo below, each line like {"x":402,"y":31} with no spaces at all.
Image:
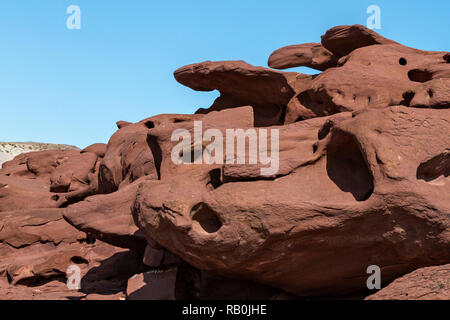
{"x":90,"y":239}
{"x":105,"y":180}
{"x":40,"y":280}
{"x":79,"y":260}
{"x":76,"y":196}
{"x":8,"y":277}
{"x":435,"y":167}
{"x":185,"y":283}
{"x":215,"y":178}
{"x":263,"y":115}
{"x":152,"y":142}
{"x":268,"y":115}
{"x":312,"y":101}
{"x":283,"y":114}
{"x":325,"y":130}
{"x":447,"y":58}
{"x":407,"y":98}
{"x":206,"y":217}
{"x":347,"y":167}
{"x":402,"y":61}
{"x":418,"y":75}
{"x":112,"y":275}
{"x":214,"y":287}
{"x":315,"y":147}
{"x":149,"y":124}
{"x":60,"y":188}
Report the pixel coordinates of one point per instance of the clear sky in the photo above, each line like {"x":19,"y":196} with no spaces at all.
{"x":71,"y":86}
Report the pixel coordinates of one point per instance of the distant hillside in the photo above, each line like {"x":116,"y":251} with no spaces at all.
{"x":8,"y":150}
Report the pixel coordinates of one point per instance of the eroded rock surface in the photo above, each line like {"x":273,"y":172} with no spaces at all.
{"x":362,"y":178}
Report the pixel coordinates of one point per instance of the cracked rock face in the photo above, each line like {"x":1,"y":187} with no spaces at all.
{"x":362,"y":177}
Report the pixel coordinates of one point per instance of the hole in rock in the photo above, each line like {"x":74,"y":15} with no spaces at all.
{"x":79,"y":260}
{"x":407,"y":98}
{"x":90,"y":239}
{"x":325,"y":130}
{"x":319,"y":107}
{"x":419,"y":75}
{"x":430,"y":93}
{"x":60,"y":188}
{"x":152,"y":142}
{"x":55,"y":197}
{"x":206,"y":218}
{"x":347,"y":167}
{"x":150,"y":124}
{"x":378,"y":160}
{"x":435,"y":167}
{"x":402,"y":61}
{"x":8,"y":277}
{"x":315,"y":147}
{"x":214,"y":178}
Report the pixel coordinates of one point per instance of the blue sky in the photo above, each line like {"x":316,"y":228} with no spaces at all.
{"x":71,"y":86}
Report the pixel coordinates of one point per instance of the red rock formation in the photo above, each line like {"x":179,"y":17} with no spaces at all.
{"x":362,"y":179}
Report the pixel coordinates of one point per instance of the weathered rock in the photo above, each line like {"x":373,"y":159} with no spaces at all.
{"x":241,"y":84}
{"x":10,"y":150}
{"x":431,"y":283}
{"x":127,"y":158}
{"x":37,"y":244}
{"x":46,"y":179}
{"x":53,"y":290}
{"x":312,"y":55}
{"x":42,"y":164}
{"x":37,"y":247}
{"x":356,"y":202}
{"x":73,"y":174}
{"x":372,"y":72}
{"x":108,"y":217}
{"x":372,"y":77}
{"x":17,"y":193}
{"x":342,"y":40}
